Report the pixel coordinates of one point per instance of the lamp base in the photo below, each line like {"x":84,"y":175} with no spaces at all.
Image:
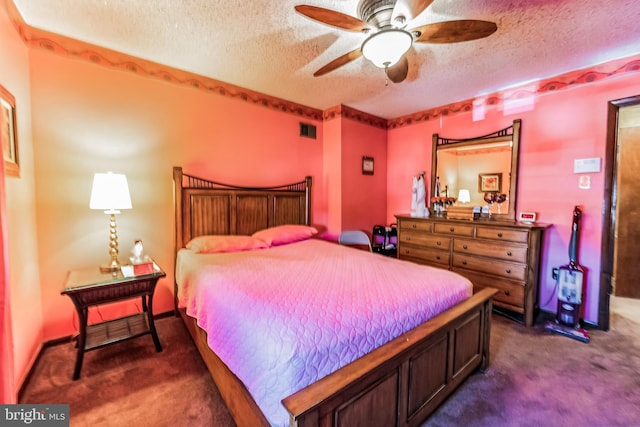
{"x":114,"y":265}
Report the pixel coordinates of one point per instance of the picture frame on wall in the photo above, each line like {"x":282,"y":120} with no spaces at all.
{"x":490,"y":182}
{"x":8,"y":133}
{"x":367,"y":165}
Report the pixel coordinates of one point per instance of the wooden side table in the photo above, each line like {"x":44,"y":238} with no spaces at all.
{"x":90,"y":287}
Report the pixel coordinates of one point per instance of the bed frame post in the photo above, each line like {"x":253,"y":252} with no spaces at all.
{"x":307,"y":216}
{"x":177,"y":211}
{"x":486,"y":331}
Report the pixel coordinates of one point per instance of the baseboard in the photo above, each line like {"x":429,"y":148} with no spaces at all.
{"x":63,"y":340}
{"x":31,"y":369}
{"x":164,"y":315}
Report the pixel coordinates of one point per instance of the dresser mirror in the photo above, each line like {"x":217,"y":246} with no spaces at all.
{"x":486,"y":167}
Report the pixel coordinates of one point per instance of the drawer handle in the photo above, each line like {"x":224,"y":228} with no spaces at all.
{"x":413,"y":225}
{"x":500,"y":235}
{"x":437,"y":256}
{"x":508,"y":270}
{"x":464,"y":262}
{"x":464,"y":247}
{"x":509,"y":253}
{"x":408,"y":238}
{"x":438,"y":243}
{"x":506,"y":293}
{"x":452,"y":229}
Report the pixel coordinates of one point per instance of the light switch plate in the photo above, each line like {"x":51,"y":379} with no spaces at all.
{"x":587,"y":165}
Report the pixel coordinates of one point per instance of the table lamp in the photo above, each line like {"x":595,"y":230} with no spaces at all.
{"x":110,"y":193}
{"x":463,"y":196}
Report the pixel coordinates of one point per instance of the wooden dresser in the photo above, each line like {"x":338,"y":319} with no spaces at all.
{"x":501,"y":254}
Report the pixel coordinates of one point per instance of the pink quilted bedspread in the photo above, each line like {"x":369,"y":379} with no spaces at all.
{"x":283,"y":317}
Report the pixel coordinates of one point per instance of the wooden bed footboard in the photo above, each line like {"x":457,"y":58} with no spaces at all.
{"x":399,"y":384}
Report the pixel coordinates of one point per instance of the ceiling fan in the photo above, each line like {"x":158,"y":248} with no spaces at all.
{"x":384,"y":22}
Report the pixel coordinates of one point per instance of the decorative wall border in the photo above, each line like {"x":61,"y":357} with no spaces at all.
{"x":66,"y":46}
{"x":353,"y":114}
{"x":553,"y":84}
{"x":69,"y":47}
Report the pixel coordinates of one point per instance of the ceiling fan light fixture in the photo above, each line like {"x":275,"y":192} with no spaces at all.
{"x":386,"y":47}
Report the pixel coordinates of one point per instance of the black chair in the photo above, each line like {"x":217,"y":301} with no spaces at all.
{"x":378,"y":238}
{"x":385,"y":240}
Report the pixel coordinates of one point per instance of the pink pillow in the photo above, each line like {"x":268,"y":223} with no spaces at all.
{"x":283,"y":234}
{"x":222,"y":243}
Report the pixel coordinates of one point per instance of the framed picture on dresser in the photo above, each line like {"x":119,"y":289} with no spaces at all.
{"x":489,"y":182}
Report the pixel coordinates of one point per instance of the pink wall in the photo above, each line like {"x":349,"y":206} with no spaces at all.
{"x":89,"y":118}
{"x":356,"y":201}
{"x":24,"y":274}
{"x":557,"y":128}
{"x":332,"y":175}
{"x":363,"y":196}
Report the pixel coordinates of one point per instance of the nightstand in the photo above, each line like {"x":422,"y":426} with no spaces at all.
{"x":90,"y":287}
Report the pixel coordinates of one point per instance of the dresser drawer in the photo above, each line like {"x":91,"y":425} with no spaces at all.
{"x":494,"y":250}
{"x":426,"y":240}
{"x":422,"y":255}
{"x":453,"y":229}
{"x":521,"y":236}
{"x":509,"y":270}
{"x":511,"y":293}
{"x":415,"y":225}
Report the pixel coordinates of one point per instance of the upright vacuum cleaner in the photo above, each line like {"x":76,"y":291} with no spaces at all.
{"x":570,"y":280}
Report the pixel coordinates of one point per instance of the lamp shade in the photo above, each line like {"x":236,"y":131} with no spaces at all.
{"x":463,"y":196}
{"x":110,"y":192}
{"x":386,"y":47}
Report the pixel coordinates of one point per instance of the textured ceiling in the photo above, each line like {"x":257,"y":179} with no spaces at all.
{"x":265,"y":46}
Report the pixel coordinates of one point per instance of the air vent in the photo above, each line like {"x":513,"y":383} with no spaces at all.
{"x":307,"y":130}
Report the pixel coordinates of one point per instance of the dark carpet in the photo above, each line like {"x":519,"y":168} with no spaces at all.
{"x":535,"y":379}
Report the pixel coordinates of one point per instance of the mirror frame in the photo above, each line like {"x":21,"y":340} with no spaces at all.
{"x":511,"y":133}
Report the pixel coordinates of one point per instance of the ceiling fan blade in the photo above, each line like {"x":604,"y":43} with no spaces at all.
{"x":454,"y":31}
{"x":398,"y":72}
{"x":409,"y":8}
{"x":331,"y":17}
{"x":339,"y":62}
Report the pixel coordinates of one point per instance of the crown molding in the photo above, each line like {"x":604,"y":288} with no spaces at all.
{"x":355,"y":115}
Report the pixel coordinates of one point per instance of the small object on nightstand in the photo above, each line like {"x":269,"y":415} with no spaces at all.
{"x":142,"y":264}
{"x":137,"y":251}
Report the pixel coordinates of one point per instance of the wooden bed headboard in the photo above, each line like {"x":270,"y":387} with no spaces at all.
{"x":207,"y":207}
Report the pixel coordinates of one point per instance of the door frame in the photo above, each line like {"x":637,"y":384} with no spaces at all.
{"x":609,"y":207}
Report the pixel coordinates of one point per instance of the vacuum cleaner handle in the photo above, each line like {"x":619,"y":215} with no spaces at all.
{"x":575,"y":231}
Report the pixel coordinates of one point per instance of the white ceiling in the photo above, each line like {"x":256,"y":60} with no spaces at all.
{"x":265,"y":46}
